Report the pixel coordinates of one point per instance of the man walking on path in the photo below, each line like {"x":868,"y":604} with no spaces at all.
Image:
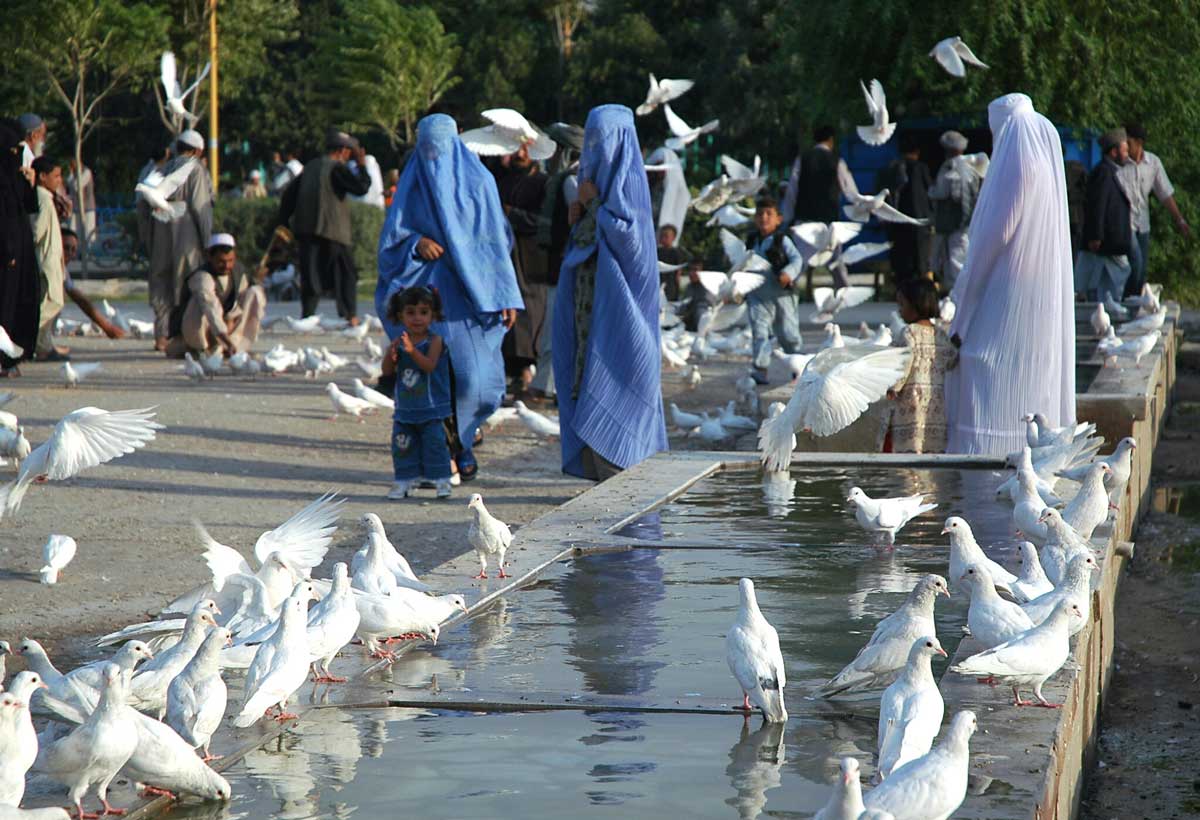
{"x":1143,"y":174}
{"x":47,"y":247}
{"x":316,"y":205}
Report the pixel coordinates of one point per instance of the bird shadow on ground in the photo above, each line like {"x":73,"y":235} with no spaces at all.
{"x":17,"y":575}
{"x":274,"y":439}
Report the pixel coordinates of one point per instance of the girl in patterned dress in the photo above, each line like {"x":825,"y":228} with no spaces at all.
{"x":918,"y":417}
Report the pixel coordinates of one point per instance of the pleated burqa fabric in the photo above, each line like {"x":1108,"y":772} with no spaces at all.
{"x":1015,"y":298}
{"x":617,"y":409}
{"x":446,"y":194}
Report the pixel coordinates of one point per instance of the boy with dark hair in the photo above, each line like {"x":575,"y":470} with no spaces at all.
{"x":774,"y":307}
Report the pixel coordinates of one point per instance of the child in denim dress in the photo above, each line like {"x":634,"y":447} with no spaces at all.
{"x":421,"y":365}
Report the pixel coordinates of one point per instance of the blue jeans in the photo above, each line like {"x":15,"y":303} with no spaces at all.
{"x":773,"y":310}
{"x":419,"y":450}
{"x":1138,"y":257}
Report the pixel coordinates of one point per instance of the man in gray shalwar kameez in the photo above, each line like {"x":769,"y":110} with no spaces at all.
{"x":953,"y":196}
{"x":177,"y":247}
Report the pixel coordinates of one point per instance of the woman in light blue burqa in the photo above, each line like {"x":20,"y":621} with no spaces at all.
{"x":446,"y":229}
{"x":607,"y":356}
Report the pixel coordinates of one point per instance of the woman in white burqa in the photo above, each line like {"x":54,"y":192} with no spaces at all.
{"x":1015,"y":303}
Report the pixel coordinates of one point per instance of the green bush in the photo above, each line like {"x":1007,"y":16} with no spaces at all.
{"x":251,"y":221}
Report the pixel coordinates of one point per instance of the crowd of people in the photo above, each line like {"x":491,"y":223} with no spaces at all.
{"x":532,"y":273}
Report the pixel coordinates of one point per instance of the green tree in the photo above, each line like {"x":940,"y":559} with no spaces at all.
{"x":385,"y":65}
{"x":83,"y":53}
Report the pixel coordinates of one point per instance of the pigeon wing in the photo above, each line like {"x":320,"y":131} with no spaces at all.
{"x":735,"y":249}
{"x":713,"y":281}
{"x":879,"y":99}
{"x":735,"y":169}
{"x":887,"y":213}
{"x":170,"y":81}
{"x":863,"y":250}
{"x":90,"y":436}
{"x":670,"y":89}
{"x":872,"y":102}
{"x":678,"y":127}
{"x":949,"y":59}
{"x":199,"y":79}
{"x":222,"y":561}
{"x":304,"y":538}
{"x":849,"y":389}
{"x":963,"y":51}
{"x":855,"y":295}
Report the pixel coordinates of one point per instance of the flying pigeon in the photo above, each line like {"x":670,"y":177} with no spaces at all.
{"x":952,"y":53}
{"x":880,"y":130}
{"x":661,"y":92}
{"x":684,"y":133}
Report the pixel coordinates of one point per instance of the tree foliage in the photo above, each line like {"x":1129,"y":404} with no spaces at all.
{"x":385,"y":65}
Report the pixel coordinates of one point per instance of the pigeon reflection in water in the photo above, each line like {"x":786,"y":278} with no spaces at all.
{"x":755,"y":764}
{"x":610,"y":603}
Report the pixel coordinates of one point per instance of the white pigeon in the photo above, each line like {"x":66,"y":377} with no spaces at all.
{"x":693,"y":377}
{"x":713,"y":196}
{"x":1115,"y":308}
{"x":933,"y":786}
{"x":911,"y":709}
{"x":1100,"y":320}
{"x":1044,"y":480}
{"x":730,"y":420}
{"x":18,"y":740}
{"x":488,"y":535}
{"x":753,"y":654}
{"x":244,"y":364}
{"x":1144,"y":324}
{"x":148,"y":688}
{"x":662,"y":91}
{"x":951,"y":55}
{"x":1063,"y":544}
{"x":882,"y":337}
{"x":682,"y":133}
{"x":819,"y":242}
{"x":140,"y":328}
{"x":5,"y":649}
{"x":350,"y":405}
{"x":729,"y":215}
{"x":535,"y":422}
{"x":1089,"y":508}
{"x":279,"y":668}
{"x":880,"y":130}
{"x":175,"y":94}
{"x":372,"y":574}
{"x":88,"y":677}
{"x":672,"y":358}
{"x":507,"y":130}
{"x":333,"y":360}
{"x":829,"y":302}
{"x":711,"y":429}
{"x":73,"y":374}
{"x":1029,"y":659}
{"x":1146,"y":301}
{"x":157,"y":188}
{"x":357,"y":332}
{"x":373,"y":396}
{"x":965,"y":551}
{"x":833,"y":337}
{"x":212,"y":363}
{"x":309,"y":324}
{"x":740,"y":257}
{"x":745,"y":180}
{"x":861,"y":208}
{"x":845,"y":802}
{"x":1112,"y":348}
{"x":1075,"y":589}
{"x":879,"y":662}
{"x":1032,"y":581}
{"x":991,"y":619}
{"x":396,"y":562}
{"x":1027,"y":508}
{"x":192,"y":368}
{"x":196,"y":697}
{"x":372,"y":349}
{"x":1120,"y":463}
{"x":56,"y":554}
{"x":795,"y":362}
{"x":886,"y":515}
{"x":408,"y":613}
{"x":684,"y":421}
{"x":84,"y":438}
{"x":164,"y":761}
{"x":8,"y":347}
{"x":835,"y":389}
{"x":97,"y":749}
{"x":332,"y":624}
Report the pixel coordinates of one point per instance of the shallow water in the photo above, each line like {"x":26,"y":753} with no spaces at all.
{"x":647,"y":624}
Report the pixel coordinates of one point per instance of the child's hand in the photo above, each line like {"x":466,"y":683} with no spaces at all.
{"x":406,"y":342}
{"x":891,"y":394}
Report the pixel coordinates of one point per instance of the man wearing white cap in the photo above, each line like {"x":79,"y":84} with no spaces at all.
{"x":177,"y":246}
{"x":219,"y":308}
{"x":953,"y":195}
{"x":34,"y":129}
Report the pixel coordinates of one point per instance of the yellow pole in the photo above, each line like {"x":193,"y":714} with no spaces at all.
{"x":214,"y":154}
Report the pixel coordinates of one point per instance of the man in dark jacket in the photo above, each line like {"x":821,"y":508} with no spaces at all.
{"x":908,"y":181}
{"x":315,"y":203}
{"x":813,"y":189}
{"x":1103,"y":265}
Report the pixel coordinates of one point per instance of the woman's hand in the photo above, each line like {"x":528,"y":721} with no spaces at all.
{"x":574,"y":213}
{"x":587,"y":192}
{"x":429,"y":250}
{"x":509,"y":317}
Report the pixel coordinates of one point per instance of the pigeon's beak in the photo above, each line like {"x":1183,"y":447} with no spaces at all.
{"x":149,"y":655}
{"x":846,"y":778}
{"x":942,"y":652}
{"x":945,"y":530}
{"x":216,"y":610}
{"x":945,"y":592}
{"x":42,"y":685}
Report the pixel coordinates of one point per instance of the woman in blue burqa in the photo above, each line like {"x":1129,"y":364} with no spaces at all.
{"x":446,"y":229}
{"x":607,"y":355}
